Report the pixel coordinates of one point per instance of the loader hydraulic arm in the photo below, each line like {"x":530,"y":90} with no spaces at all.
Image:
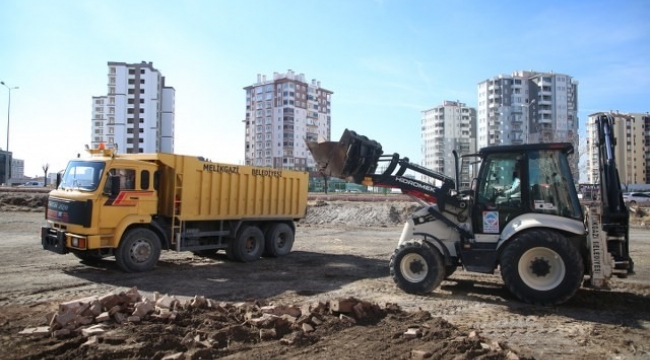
{"x":615,"y":215}
{"x":356,"y":158}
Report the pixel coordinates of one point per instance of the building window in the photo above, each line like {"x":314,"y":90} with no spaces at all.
{"x":131,"y":71}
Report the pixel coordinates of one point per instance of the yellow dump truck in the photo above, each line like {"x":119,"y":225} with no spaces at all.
{"x":132,"y":206}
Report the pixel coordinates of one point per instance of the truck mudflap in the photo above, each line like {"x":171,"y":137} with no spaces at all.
{"x":53,"y":240}
{"x":351,"y":158}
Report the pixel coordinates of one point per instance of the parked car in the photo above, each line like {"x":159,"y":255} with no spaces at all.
{"x":32,"y":184}
{"x":636,"y":198}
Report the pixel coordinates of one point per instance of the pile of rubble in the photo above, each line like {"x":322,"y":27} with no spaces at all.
{"x":166,"y":328}
{"x":92,"y":315}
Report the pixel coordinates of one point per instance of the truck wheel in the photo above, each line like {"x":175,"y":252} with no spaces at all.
{"x":139,"y":250}
{"x":417,"y":268}
{"x":249,"y":244}
{"x":541,"y":267}
{"x":278,"y":240}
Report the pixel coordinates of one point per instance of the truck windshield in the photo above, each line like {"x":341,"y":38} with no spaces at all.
{"x":82,"y":175}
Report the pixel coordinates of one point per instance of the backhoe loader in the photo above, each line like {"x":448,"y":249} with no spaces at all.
{"x":542,"y":239}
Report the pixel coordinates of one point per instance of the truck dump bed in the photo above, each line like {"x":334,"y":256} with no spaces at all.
{"x":203,"y":190}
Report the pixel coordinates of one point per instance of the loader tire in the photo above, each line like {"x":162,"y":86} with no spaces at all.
{"x":248,"y":245}
{"x":417,"y":268}
{"x":139,"y":250}
{"x":278,"y":240}
{"x":541,"y":267}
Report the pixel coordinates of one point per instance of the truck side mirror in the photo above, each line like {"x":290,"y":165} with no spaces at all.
{"x":112,"y":187}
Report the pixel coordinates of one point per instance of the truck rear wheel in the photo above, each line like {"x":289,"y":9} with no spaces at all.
{"x":139,"y":250}
{"x":278,"y":240}
{"x":248,"y":246}
{"x":541,"y":267}
{"x":417,"y":268}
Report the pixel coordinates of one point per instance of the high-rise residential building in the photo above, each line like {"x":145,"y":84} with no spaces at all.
{"x":447,"y":127}
{"x":632,"y":134}
{"x":5,"y":167}
{"x":137,"y":114}
{"x":281,"y":114}
{"x":527,"y":107}
{"x":17,"y":168}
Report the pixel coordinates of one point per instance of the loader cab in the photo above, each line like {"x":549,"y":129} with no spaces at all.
{"x":521,"y":179}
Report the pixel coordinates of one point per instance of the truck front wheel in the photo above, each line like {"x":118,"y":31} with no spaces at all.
{"x":139,"y":250}
{"x":248,"y":246}
{"x":416,"y":267}
{"x":541,"y":267}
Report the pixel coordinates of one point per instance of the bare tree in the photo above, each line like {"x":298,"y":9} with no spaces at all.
{"x":45,"y":168}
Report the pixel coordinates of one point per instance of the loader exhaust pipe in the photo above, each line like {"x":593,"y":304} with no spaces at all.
{"x":351,"y":158}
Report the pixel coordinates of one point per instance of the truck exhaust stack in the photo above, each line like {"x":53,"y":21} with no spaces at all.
{"x":351,"y":158}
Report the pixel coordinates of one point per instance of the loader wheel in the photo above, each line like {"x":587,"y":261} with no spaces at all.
{"x":248,"y":245}
{"x":139,"y":250}
{"x":417,"y":268}
{"x":541,"y":267}
{"x":278,"y":240}
{"x":450,"y":270}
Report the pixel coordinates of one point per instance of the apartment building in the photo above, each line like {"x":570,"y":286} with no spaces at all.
{"x":17,"y":168}
{"x":137,"y":114}
{"x":281,"y":113}
{"x":527,"y":107}
{"x":447,"y":127}
{"x":632,"y":133}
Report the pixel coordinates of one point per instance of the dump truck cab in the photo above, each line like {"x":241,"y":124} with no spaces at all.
{"x":97,"y":199}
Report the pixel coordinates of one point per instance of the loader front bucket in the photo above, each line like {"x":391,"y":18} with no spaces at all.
{"x":351,"y":158}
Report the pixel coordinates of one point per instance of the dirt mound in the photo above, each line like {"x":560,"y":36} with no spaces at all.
{"x":359,"y":213}
{"x":22,"y":201}
{"x":251,"y":330}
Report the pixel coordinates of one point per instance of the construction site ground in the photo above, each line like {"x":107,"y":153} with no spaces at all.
{"x":341,"y":251}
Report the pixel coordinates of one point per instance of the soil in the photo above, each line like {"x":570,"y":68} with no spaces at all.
{"x":341,"y":251}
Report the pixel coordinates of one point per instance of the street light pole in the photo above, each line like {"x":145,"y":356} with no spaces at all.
{"x":8,"y":165}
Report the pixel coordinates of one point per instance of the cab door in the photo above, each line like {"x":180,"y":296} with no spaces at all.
{"x":492,"y":211}
{"x":128,"y":192}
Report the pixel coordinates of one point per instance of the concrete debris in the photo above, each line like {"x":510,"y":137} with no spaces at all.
{"x":92,"y":340}
{"x":36,"y":331}
{"x":412,"y":333}
{"x":93,"y":330}
{"x":91,"y":317}
{"x":176,"y":356}
{"x":420,"y":354}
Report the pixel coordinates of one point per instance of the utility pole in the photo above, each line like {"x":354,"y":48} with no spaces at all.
{"x":8,"y":161}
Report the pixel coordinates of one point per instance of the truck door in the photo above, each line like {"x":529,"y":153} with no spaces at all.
{"x":134,"y":195}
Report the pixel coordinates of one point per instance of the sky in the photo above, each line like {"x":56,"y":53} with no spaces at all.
{"x":385,"y":60}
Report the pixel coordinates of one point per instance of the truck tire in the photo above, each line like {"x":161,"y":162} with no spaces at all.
{"x":417,"y":268}
{"x":278,"y":240}
{"x":139,"y":250}
{"x":248,"y":246}
{"x":541,"y":267}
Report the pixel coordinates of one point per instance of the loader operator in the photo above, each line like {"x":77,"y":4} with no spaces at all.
{"x":513,"y":193}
